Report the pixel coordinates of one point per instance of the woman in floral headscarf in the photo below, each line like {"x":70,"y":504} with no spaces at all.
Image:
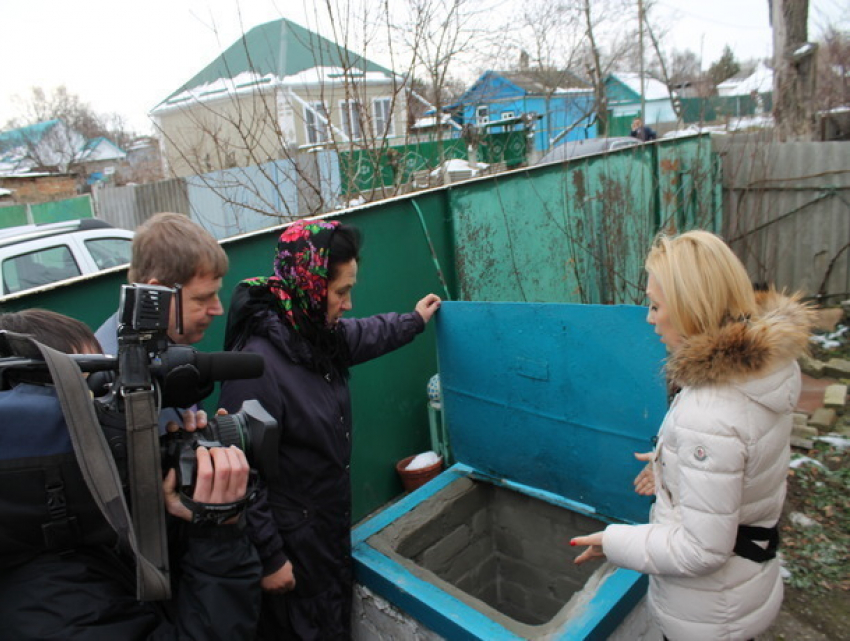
{"x":301,"y":523}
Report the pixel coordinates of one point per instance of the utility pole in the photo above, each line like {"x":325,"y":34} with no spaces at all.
{"x":640,"y":49}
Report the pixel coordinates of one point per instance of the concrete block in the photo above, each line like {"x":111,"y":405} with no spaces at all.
{"x":823,"y":419}
{"x":800,"y":419}
{"x":835,"y":397}
{"x":837,"y":368}
{"x":804,"y":431}
{"x":811,"y":366}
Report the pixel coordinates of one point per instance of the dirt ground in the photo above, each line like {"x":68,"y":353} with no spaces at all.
{"x":812,"y":616}
{"x":820,"y":612}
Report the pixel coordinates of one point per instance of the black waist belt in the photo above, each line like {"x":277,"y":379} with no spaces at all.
{"x":745,"y":542}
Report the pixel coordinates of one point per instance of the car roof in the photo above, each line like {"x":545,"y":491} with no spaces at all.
{"x":23,"y":233}
{"x":578,"y":148}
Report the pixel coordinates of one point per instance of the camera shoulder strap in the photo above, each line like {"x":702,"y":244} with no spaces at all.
{"x":95,"y":459}
{"x":146,"y":481}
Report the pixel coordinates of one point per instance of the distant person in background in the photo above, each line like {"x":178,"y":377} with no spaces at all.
{"x":641,"y":131}
{"x":722,"y":454}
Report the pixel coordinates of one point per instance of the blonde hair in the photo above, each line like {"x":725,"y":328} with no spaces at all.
{"x":703,"y":282}
{"x":172,"y":249}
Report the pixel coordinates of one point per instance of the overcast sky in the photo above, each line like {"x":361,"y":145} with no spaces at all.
{"x":125,"y":56}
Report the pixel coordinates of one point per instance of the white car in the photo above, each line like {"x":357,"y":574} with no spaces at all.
{"x":36,"y":255}
{"x":580,"y":148}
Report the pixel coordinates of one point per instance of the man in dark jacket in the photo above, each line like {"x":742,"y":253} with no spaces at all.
{"x":642,"y":132}
{"x":82,"y":585}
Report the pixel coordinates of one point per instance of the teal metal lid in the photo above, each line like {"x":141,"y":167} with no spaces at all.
{"x":556,"y":397}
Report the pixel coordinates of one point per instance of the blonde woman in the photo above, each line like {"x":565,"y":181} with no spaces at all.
{"x":723,"y":449}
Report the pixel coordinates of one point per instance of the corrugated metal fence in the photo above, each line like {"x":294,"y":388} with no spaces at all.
{"x":231,"y":201}
{"x":787,"y":212}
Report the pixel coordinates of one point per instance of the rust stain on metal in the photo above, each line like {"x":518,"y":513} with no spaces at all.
{"x":578,"y":182}
{"x":670,"y":165}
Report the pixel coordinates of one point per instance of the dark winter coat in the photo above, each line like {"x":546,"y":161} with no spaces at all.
{"x":305,"y":517}
{"x":87,"y":590}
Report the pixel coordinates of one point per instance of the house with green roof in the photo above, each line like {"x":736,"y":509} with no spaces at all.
{"x":279,"y":89}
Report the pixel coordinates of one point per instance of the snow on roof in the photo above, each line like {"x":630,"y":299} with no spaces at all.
{"x":249,"y":82}
{"x":333,"y":75}
{"x":101,"y":149}
{"x":245,"y":82}
{"x":431,"y":121}
{"x":653,"y":89}
{"x":760,"y":81}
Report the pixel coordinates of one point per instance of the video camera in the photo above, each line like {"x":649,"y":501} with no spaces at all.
{"x":179,"y":375}
{"x":88,"y":489}
{"x":183,"y":376}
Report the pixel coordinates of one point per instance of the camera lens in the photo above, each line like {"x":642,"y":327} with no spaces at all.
{"x":230,"y":430}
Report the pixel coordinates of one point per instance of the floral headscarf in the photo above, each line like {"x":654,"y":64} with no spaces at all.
{"x":297,"y":292}
{"x":300,"y":281}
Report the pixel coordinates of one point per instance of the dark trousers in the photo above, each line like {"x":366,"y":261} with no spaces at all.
{"x":666,"y":639}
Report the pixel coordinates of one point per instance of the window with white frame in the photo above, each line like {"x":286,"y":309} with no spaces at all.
{"x":382,"y":109}
{"x":316,"y":122}
{"x":507,"y":115}
{"x":350,"y":118}
{"x":482,"y":114}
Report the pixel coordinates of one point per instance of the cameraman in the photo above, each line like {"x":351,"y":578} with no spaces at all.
{"x":82,"y":585}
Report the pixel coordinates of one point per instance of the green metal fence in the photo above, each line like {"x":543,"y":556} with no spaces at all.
{"x":50,"y":212}
{"x":571,"y":232}
{"x":721,"y":107}
{"x":365,"y":170}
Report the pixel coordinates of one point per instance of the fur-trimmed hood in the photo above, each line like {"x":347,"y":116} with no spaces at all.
{"x":743,"y":349}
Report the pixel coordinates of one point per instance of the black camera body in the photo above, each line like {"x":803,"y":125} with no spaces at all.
{"x":251,"y":429}
{"x":182,"y":377}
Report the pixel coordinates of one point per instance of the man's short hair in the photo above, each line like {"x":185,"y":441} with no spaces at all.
{"x":60,"y":332}
{"x":172,"y":249}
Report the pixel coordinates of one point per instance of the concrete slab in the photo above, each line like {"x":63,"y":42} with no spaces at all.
{"x":835,"y":397}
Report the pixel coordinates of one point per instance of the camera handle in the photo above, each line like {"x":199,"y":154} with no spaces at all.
{"x":217,"y":513}
{"x":95,"y":458}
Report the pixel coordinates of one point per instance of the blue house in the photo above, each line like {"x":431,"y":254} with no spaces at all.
{"x":556,"y":104}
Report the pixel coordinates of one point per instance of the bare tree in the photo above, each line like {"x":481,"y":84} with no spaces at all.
{"x":250,"y":119}
{"x":794,"y":65}
{"x":41,"y":106}
{"x":833,"y":70}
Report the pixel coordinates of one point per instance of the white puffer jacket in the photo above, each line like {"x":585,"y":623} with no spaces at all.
{"x":721,"y":460}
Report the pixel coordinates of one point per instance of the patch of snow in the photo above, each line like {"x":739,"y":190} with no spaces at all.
{"x":824,"y":342}
{"x":806,"y":48}
{"x":840,"y":442}
{"x":801,"y":520}
{"x":426,"y":459}
{"x":457,"y":165}
{"x":803,"y":460}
